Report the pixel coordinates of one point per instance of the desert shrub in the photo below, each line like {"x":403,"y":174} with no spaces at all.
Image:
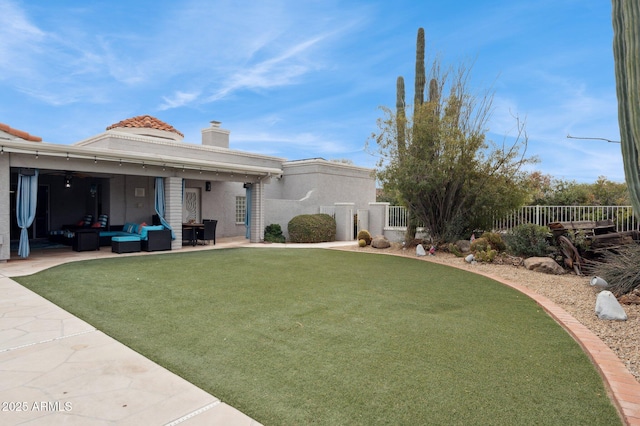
{"x":273,"y":234}
{"x":455,"y":250}
{"x":495,"y":241}
{"x":619,"y":268}
{"x":364,"y":235}
{"x":528,"y":240}
{"x":480,"y":244}
{"x":312,"y":228}
{"x":362,"y":243}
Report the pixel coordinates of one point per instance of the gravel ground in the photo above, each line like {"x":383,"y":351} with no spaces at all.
{"x":571,"y":292}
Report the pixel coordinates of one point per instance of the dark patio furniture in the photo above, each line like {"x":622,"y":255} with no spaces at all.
{"x":86,"y":240}
{"x":208,"y":232}
{"x":190,"y":232}
{"x":157,"y":241}
{"x":125,"y":244}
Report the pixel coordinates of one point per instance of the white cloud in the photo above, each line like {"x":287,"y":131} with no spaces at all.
{"x":178,"y":99}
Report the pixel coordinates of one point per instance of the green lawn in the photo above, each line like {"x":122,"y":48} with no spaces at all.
{"x":306,"y":336}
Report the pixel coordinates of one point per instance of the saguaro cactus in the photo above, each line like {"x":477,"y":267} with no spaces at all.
{"x":626,"y":53}
{"x":401,"y":118}
{"x":421,"y":78}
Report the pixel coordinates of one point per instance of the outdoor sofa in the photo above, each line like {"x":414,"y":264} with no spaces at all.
{"x":148,"y":238}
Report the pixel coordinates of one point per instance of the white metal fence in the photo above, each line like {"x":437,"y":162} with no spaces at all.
{"x":396,"y":217}
{"x":622,"y":216}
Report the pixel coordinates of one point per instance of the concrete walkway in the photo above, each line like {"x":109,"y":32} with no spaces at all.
{"x":57,"y":369}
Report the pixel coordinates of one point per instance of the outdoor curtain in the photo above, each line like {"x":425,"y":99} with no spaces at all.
{"x":247,"y":212}
{"x":160,"y":207}
{"x":26,"y":201}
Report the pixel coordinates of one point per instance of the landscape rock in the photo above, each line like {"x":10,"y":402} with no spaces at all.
{"x":608,"y":307}
{"x":470,"y":258}
{"x":543,"y":264}
{"x":463,"y":245}
{"x":380,"y":242}
{"x":420,"y":250}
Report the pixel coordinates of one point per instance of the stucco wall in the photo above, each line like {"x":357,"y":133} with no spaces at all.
{"x":220,"y":204}
{"x":125,"y":206}
{"x":306,"y":185}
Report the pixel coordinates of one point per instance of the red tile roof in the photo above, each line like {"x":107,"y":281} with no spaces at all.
{"x":145,"y":121}
{"x":19,"y":133}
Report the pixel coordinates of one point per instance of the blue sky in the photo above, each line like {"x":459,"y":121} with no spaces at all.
{"x":302,"y":79}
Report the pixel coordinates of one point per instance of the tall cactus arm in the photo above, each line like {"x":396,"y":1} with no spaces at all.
{"x":626,"y":53}
{"x":421,"y":79}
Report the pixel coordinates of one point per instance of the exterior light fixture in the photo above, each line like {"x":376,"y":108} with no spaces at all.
{"x":67,"y":181}
{"x":67,"y":156}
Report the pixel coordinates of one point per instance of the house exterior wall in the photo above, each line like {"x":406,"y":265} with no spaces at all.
{"x":125,"y":165}
{"x":153,"y":147}
{"x":306,"y":185}
{"x":220,"y":204}
{"x":125,"y":205}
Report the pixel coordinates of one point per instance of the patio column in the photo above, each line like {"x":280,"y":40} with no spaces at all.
{"x":173,"y":208}
{"x":257,"y":212}
{"x":5,"y":212}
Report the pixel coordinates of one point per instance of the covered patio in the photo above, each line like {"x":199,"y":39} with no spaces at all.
{"x":118,"y":174}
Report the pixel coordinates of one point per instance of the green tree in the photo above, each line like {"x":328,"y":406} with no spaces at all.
{"x":545,"y":190}
{"x":449,"y":176}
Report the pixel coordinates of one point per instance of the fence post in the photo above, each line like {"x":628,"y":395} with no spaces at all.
{"x":538,"y":214}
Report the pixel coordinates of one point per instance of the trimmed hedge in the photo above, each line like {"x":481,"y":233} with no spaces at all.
{"x":312,"y":228}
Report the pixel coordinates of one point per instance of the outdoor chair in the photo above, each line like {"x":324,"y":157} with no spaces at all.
{"x":208,"y":233}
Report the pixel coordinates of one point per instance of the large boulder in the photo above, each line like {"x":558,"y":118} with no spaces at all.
{"x":543,"y":264}
{"x":380,"y":242}
{"x":463,"y":245}
{"x":608,"y":307}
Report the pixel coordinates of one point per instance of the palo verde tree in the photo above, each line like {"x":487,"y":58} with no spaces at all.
{"x":437,"y":159}
{"x":626,"y":53}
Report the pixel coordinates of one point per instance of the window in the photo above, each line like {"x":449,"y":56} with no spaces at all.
{"x":241,"y":209}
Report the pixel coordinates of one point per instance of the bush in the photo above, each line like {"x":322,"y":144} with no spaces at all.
{"x":273,"y":234}
{"x":620,"y":269}
{"x":528,"y":240}
{"x":312,"y":228}
{"x":495,"y":241}
{"x":364,"y":235}
{"x":480,"y":244}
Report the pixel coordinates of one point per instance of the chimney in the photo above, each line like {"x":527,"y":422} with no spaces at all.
{"x":215,"y":136}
